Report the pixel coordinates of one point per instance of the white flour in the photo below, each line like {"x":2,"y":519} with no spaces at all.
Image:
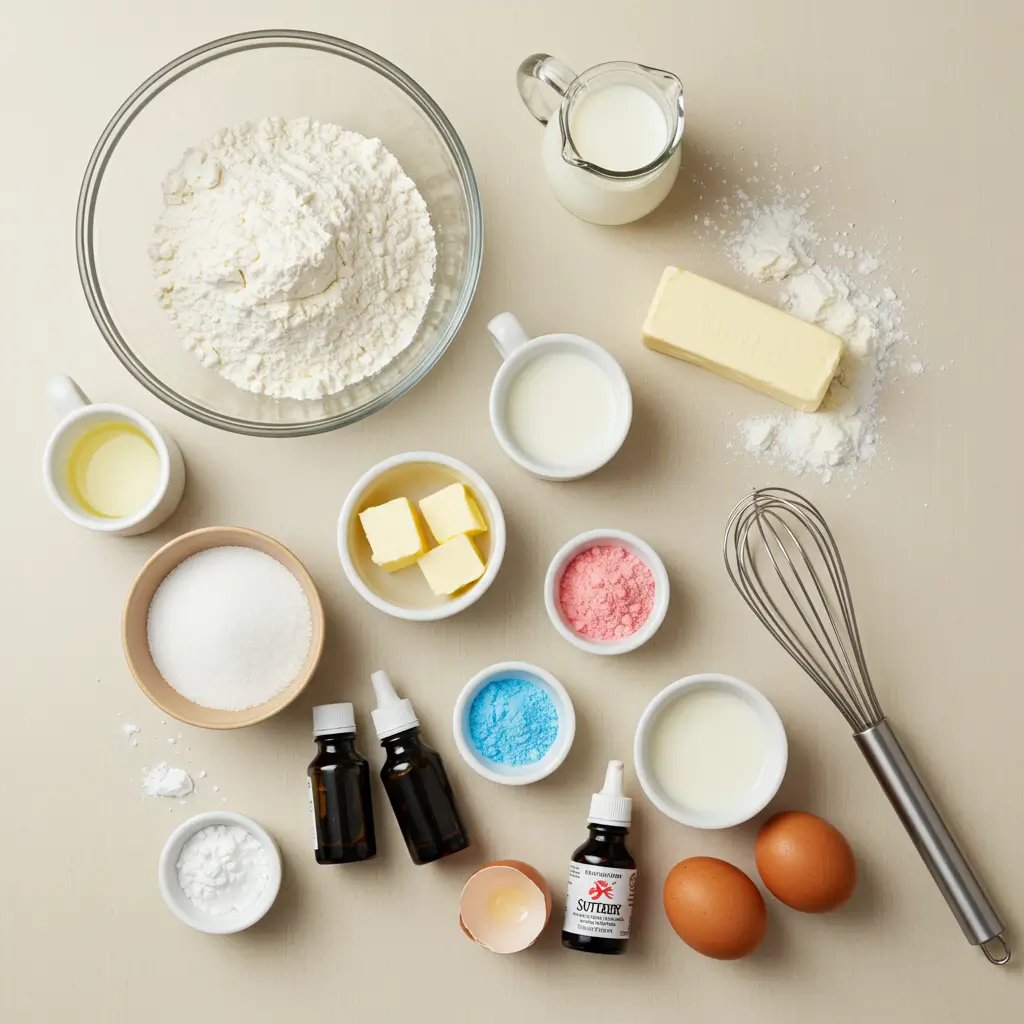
{"x":222,"y":868}
{"x":776,"y":242}
{"x":294,"y":257}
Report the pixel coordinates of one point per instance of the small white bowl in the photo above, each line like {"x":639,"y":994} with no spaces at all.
{"x":405,"y":594}
{"x":517,"y":350}
{"x":768,"y":783}
{"x":635,"y":546}
{"x":184,"y":909}
{"x":515,"y":775}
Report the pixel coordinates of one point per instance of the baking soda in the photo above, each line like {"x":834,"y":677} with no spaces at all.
{"x":162,"y":780}
{"x":223,"y":869}
{"x":606,"y":593}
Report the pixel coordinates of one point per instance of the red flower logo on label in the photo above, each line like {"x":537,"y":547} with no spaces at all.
{"x":599,"y":889}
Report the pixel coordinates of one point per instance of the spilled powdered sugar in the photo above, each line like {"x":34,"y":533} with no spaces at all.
{"x":163,"y":780}
{"x":777,"y":242}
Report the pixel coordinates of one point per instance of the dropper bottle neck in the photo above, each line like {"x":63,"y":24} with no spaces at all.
{"x":393,"y":714}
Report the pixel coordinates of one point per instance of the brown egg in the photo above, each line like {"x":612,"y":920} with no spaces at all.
{"x":715,"y":908}
{"x":805,"y":862}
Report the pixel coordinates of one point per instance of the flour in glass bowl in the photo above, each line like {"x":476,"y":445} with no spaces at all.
{"x":294,"y":258}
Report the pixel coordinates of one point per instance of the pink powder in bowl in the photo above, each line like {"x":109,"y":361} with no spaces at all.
{"x":606,"y":593}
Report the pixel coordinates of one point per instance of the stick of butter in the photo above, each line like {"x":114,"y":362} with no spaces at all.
{"x":742,"y":339}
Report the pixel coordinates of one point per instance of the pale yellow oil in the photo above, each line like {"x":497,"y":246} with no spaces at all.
{"x":113,"y":470}
{"x":508,"y":904}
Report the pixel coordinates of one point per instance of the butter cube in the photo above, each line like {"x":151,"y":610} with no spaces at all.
{"x":741,"y":339}
{"x":394,"y":532}
{"x":453,"y":565}
{"x":451,"y":511}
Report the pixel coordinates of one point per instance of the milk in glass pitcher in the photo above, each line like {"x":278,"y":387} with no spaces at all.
{"x":611,"y":145}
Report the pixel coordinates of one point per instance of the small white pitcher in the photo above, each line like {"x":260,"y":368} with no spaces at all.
{"x":80,"y":415}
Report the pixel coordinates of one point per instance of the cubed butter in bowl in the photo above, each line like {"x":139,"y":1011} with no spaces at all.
{"x":452,"y":565}
{"x":405,"y":570}
{"x":394,"y":534}
{"x":452,"y":511}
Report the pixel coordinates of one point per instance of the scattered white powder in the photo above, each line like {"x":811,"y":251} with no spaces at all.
{"x":294,"y":257}
{"x":868,"y":264}
{"x":229,"y":628}
{"x":222,"y":869}
{"x":775,"y":242}
{"x":130,"y":733}
{"x":165,"y":781}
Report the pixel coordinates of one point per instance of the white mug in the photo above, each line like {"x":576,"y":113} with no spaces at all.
{"x":81,"y":415}
{"x":517,"y":350}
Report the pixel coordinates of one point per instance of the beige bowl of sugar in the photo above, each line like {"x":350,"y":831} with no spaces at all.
{"x":192,"y":632}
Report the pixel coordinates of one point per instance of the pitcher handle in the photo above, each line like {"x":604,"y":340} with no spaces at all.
{"x":542,"y":81}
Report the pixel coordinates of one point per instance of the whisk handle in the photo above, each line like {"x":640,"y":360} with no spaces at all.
{"x":934,"y":841}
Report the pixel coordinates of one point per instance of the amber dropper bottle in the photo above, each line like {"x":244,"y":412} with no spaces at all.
{"x":415,"y":780}
{"x":339,"y":789}
{"x":602,"y":875}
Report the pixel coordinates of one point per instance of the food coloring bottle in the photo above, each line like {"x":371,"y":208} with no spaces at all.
{"x":602,"y":875}
{"x":339,"y":789}
{"x":415,"y":780}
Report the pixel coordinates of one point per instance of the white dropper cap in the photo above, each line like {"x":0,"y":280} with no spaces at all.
{"x":610,"y":807}
{"x":392,"y":713}
{"x":333,"y":718}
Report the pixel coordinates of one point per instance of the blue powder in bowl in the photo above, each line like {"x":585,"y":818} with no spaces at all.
{"x":513,"y":722}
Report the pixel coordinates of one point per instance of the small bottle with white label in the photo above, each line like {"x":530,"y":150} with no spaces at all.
{"x":602,"y":875}
{"x":339,"y":789}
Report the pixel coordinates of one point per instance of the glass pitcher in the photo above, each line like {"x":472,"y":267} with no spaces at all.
{"x":611,"y":154}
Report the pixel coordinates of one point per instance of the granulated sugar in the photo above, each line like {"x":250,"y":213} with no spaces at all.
{"x":229,"y":628}
{"x":777,"y":242}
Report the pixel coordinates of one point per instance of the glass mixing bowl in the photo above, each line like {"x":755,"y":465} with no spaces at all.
{"x":247,"y":77}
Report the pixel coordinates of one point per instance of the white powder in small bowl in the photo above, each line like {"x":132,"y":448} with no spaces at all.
{"x":223,"y":869}
{"x":229,"y":628}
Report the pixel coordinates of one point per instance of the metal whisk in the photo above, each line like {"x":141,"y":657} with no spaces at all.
{"x":783,"y":559}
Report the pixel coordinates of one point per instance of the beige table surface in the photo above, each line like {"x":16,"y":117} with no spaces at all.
{"x":912,"y":111}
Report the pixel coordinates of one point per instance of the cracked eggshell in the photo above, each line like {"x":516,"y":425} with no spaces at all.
{"x":485,"y":913}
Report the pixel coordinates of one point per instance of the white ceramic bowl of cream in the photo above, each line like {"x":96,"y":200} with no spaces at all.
{"x":710,"y":751}
{"x":611,"y":411}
